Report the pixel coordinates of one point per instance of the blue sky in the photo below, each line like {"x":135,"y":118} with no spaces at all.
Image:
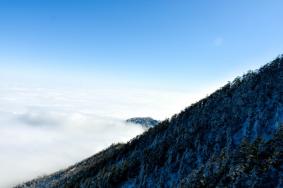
{"x":173,"y":45}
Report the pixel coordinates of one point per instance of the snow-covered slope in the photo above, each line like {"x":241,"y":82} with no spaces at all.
{"x":232,"y":138}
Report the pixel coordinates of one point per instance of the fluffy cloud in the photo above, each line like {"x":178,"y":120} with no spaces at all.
{"x":38,"y":142}
{"x":44,"y":130}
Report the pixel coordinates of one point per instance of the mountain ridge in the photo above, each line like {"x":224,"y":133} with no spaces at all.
{"x":231,"y":138}
{"x":146,"y":122}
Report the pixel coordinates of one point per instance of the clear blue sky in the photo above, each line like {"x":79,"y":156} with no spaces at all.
{"x":169,"y":44}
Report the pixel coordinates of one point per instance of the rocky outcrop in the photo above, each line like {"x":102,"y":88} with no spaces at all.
{"x":146,"y":122}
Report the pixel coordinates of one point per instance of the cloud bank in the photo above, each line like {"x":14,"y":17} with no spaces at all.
{"x":38,"y":142}
{"x":44,"y":130}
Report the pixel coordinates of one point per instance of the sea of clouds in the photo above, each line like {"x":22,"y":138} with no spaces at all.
{"x":43,"y":130}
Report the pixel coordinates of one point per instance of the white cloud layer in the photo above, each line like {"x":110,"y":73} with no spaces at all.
{"x":43,"y":130}
{"x":39,"y":142}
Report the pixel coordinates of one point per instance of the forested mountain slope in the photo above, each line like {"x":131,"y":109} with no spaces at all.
{"x":231,"y":138}
{"x":146,"y":122}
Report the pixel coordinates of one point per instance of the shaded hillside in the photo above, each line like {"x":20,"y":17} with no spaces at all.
{"x":146,"y":122}
{"x":231,"y":138}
